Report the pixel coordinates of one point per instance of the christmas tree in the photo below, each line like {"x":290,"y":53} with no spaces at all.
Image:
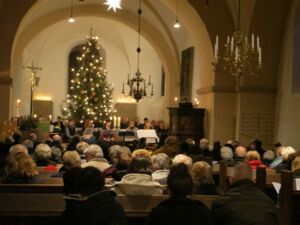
{"x":90,"y":95}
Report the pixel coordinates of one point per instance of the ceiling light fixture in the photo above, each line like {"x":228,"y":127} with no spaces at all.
{"x":71,"y":19}
{"x":138,"y":85}
{"x":113,"y":4}
{"x":177,"y":24}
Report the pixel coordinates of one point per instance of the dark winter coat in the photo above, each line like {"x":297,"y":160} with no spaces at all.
{"x":180,"y":211}
{"x":99,"y":208}
{"x":244,"y":204}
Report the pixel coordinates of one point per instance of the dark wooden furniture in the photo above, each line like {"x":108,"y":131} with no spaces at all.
{"x":47,"y":209}
{"x":187,"y":122}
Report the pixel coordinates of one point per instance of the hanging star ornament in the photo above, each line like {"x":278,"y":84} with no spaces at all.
{"x":114,"y":4}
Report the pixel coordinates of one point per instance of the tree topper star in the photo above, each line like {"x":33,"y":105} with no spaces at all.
{"x":114,"y":4}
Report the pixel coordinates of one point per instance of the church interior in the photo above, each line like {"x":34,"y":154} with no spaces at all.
{"x":212,"y":72}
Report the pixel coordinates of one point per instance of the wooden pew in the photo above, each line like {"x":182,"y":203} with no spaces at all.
{"x":33,"y":205}
{"x":289,"y":200}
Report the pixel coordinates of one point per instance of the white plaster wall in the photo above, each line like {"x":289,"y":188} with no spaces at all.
{"x":288,"y":104}
{"x":50,"y":50}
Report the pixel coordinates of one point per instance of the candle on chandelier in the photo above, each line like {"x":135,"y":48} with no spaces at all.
{"x":175,"y":99}
{"x":236,"y":54}
{"x":50,"y":118}
{"x":259,"y":55}
{"x":231,"y":47}
{"x":257,"y":40}
{"x":252,"y":42}
{"x":228,"y":40}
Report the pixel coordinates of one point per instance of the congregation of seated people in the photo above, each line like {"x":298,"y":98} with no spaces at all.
{"x":93,"y":174}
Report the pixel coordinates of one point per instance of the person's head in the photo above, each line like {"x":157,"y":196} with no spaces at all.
{"x":88,"y":124}
{"x":71,"y":181}
{"x":161,"y":162}
{"x":296,"y":164}
{"x":17,"y":137}
{"x":42,"y":152}
{"x":91,"y":180}
{"x":66,"y":123}
{"x":255,"y":144}
{"x":234,"y":143}
{"x":23,"y":165}
{"x":17,"y":149}
{"x":93,"y":151}
{"x":75,"y":140}
{"x":179,"y":180}
{"x":140,"y":165}
{"x":131,"y":124}
{"x":33,"y":137}
{"x":55,"y":154}
{"x":71,"y":159}
{"x":162,"y":125}
{"x":148,"y":125}
{"x":180,"y":158}
{"x":141,"y":153}
{"x":28,"y":144}
{"x":240,"y":151}
{"x":201,"y":171}
{"x":286,"y":151}
{"x":71,"y":123}
{"x":171,"y":140}
{"x":119,"y":154}
{"x":269,"y":156}
{"x":204,"y":143}
{"x":241,"y":171}
{"x":108,"y":124}
{"x":137,"y":119}
{"x":226,"y":153}
{"x":59,"y":119}
{"x":56,"y":138}
{"x":81,"y":146}
{"x":252,"y":155}
{"x":146,"y":120}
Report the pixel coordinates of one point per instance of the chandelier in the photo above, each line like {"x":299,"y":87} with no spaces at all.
{"x":239,"y":57}
{"x":138,"y":85}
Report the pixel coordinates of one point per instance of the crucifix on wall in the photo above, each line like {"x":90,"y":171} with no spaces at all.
{"x":34,"y":80}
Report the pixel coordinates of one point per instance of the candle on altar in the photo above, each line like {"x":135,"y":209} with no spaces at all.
{"x":231,"y":47}
{"x":119,"y":122}
{"x":18,"y":107}
{"x":175,"y":99}
{"x":115,"y":121}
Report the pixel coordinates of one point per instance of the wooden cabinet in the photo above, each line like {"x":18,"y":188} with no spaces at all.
{"x":186,"y":122}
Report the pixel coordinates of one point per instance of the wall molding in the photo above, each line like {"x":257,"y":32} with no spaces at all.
{"x":232,"y":89}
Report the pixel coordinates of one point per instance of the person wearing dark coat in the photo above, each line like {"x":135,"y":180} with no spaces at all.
{"x":93,"y":205}
{"x":244,"y":204}
{"x":179,"y":209}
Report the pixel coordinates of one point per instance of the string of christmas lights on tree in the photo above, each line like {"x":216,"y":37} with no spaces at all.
{"x":90,"y":94}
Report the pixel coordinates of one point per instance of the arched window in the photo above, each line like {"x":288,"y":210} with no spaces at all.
{"x":74,"y":63}
{"x":296,"y":61}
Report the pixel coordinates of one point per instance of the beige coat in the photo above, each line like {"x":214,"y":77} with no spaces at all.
{"x":138,"y":184}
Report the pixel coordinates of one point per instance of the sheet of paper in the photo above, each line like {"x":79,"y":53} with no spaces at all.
{"x":297,"y":181}
{"x":277,"y":186}
{"x":147,"y":134}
